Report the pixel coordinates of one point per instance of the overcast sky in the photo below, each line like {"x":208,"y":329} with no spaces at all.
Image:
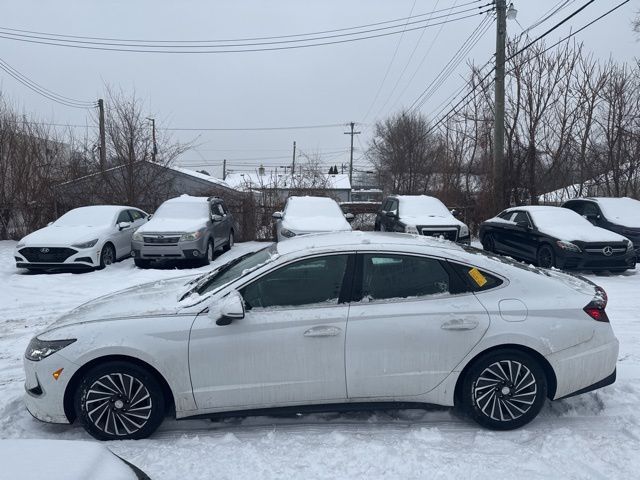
{"x":309,"y":86}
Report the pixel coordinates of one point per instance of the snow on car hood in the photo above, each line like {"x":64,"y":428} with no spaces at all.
{"x":173,"y":225}
{"x":57,"y":235}
{"x":316,"y":224}
{"x":587,"y":234}
{"x":155,"y":298}
{"x":428,"y":220}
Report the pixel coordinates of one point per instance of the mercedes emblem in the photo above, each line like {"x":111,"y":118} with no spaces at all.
{"x":608,"y":251}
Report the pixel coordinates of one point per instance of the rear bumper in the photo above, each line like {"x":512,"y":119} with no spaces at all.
{"x":602,"y":383}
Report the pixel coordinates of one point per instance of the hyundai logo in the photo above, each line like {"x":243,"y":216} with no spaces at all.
{"x":44,"y":250}
{"x":608,"y":251}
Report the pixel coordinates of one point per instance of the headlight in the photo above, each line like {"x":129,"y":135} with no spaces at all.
{"x":88,"y":244}
{"x":568,"y":246}
{"x":411,"y":229}
{"x":287,"y":233}
{"x":464,"y":231}
{"x":39,"y":349}
{"x":138,"y":237}
{"x":189,"y":237}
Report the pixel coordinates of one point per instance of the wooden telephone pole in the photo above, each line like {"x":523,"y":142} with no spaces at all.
{"x":103,"y":140}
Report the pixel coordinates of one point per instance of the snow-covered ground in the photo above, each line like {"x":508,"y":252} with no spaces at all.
{"x":596,"y":435}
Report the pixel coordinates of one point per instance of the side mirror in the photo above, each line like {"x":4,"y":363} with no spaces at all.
{"x":123,"y":225}
{"x":349,"y":217}
{"x":231,"y":308}
{"x":149,"y":217}
{"x":277,"y":215}
{"x":391,"y":214}
{"x":216,"y":218}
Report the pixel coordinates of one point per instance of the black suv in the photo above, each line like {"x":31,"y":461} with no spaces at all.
{"x":420,"y":215}
{"x":620,"y":215}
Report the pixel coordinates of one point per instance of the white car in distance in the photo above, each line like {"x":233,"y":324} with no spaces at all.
{"x":304,"y":215}
{"x":82,"y":238}
{"x":342,"y":318}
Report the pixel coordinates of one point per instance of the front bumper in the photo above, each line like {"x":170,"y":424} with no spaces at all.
{"x":83,"y":258}
{"x":177,"y":251}
{"x":585,"y":261}
{"x":44,"y":395}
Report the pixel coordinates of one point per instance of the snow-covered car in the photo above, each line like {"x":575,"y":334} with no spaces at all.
{"x":335,"y":319}
{"x":63,"y":460}
{"x":420,"y":215}
{"x":620,"y":215}
{"x":85,"y":237}
{"x":184,"y":228}
{"x":304,"y":215}
{"x":556,"y":237}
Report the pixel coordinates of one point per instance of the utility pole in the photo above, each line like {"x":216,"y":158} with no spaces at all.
{"x":352,"y":133}
{"x":103,"y":141}
{"x":224,"y":169}
{"x":154,"y":152}
{"x":500,"y":201}
{"x":293,"y":161}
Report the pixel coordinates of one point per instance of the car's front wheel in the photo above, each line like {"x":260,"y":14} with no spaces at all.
{"x":504,"y":389}
{"x":119,"y":401}
{"x":488,"y":243}
{"x":107,"y":255}
{"x":208,"y":254}
{"x":546,"y":257}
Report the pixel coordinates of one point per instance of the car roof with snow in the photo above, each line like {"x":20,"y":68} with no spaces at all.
{"x":184,"y":198}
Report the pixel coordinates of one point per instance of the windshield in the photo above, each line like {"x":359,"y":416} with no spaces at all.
{"x":623,"y":211}
{"x":556,"y":216}
{"x":422,"y":205}
{"x":86,"y":217}
{"x":235,"y":269}
{"x":182,"y":210}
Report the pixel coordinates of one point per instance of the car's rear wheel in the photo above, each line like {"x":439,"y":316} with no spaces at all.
{"x":119,"y":401}
{"x":230,"y":242}
{"x":504,"y":389}
{"x":488,"y":243}
{"x":546,"y":257}
{"x":141,"y":263}
{"x":107,"y":255}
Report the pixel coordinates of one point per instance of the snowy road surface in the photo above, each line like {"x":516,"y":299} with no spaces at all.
{"x":596,"y":435}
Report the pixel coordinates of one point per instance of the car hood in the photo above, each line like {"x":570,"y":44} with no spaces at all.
{"x":316,"y":224}
{"x":431,"y":220}
{"x":149,"y":299}
{"x":54,"y":235}
{"x":587,"y":235}
{"x":173,"y":225}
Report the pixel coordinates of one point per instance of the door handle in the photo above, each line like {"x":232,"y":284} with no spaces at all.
{"x":459,"y":324}
{"x":323,"y":331}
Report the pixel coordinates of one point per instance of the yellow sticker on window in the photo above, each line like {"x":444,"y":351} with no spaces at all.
{"x":477,"y":277}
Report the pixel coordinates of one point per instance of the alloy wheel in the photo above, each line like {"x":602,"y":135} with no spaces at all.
{"x":107,"y":255}
{"x":118,"y":404}
{"x":505,"y":390}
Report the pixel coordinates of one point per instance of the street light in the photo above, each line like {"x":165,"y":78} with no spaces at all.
{"x":512,"y":13}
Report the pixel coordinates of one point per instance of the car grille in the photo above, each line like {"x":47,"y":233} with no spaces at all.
{"x":598,"y":250}
{"x":47,"y":255}
{"x":161,"y":240}
{"x":446,"y":233}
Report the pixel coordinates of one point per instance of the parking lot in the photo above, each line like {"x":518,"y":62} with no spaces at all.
{"x":594,"y":435}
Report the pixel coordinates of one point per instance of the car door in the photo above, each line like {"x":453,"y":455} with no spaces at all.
{"x":522,"y":237}
{"x":220,"y":232}
{"x":390,"y":222}
{"x":407,"y":330}
{"x":500,"y":233}
{"x":121,"y":238}
{"x":289,"y":347}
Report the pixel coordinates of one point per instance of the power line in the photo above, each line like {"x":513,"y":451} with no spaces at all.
{"x":252,"y":129}
{"x":154,"y":49}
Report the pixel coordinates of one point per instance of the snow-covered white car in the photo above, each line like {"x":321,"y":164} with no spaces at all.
{"x":420,"y":215}
{"x":304,"y":215}
{"x":334,"y":319}
{"x":63,"y":460}
{"x":85,"y":237}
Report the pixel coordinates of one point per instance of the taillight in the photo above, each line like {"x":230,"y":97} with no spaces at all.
{"x":595,"y":308}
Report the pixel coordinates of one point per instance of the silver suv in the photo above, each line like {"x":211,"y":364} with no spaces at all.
{"x":184,"y":228}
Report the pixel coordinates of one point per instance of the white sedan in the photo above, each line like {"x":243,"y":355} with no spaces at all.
{"x":333,"y":319}
{"x":85,"y":237}
{"x":304,"y":215}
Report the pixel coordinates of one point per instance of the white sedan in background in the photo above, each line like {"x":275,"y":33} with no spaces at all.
{"x":85,"y":237}
{"x":339,"y":319}
{"x":304,"y":215}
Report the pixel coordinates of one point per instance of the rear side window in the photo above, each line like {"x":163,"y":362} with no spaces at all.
{"x":476,"y":279}
{"x":386,"y":276}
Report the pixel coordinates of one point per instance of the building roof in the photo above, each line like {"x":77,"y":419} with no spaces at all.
{"x":282,"y":181}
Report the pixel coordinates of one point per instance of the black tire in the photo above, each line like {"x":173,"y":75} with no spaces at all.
{"x":546,"y":258}
{"x":488,"y":243}
{"x":376,"y":227}
{"x":230,"y":242}
{"x":107,"y":256}
{"x":142,"y":263}
{"x":107,"y":395}
{"x":208,"y":254}
{"x":504,"y":390}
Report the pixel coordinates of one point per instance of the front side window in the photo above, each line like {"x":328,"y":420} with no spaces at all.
{"x":136,"y":214}
{"x":393,"y":207}
{"x":521,"y":218}
{"x":123,"y":217}
{"x":216,"y":209}
{"x":314,"y":281}
{"x":590,"y":210}
{"x":386,"y":276}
